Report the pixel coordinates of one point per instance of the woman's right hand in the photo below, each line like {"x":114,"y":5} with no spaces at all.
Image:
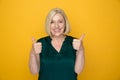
{"x":37,"y":46}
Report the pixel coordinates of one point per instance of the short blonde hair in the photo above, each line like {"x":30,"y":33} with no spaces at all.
{"x":50,"y":16}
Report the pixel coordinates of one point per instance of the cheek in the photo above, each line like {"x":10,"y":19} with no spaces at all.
{"x":52,"y":26}
{"x":62,"y":26}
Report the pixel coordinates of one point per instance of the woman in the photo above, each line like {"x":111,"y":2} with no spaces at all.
{"x":57,"y":56}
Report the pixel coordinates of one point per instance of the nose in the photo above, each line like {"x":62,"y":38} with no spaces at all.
{"x":56,"y":25}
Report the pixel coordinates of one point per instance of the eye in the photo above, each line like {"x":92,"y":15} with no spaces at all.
{"x":51,"y":22}
{"x":61,"y":21}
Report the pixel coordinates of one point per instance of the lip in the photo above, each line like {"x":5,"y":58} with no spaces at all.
{"x":57,"y":30}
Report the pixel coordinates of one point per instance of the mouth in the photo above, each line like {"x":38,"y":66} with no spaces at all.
{"x":57,"y":30}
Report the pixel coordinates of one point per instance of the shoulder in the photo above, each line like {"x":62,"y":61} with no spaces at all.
{"x":43,"y":39}
{"x":70,"y":38}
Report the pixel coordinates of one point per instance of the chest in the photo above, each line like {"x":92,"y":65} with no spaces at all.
{"x":50,"y":55}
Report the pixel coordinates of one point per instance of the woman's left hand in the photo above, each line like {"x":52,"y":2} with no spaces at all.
{"x":77,"y":43}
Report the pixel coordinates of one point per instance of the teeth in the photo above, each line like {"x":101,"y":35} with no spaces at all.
{"x":57,"y":30}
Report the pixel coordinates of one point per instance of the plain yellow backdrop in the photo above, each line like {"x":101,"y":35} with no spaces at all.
{"x":20,"y":20}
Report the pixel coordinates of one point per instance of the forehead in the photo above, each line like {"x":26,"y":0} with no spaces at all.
{"x":57,"y":16}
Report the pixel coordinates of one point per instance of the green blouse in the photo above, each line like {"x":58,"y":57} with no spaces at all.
{"x":56,"y":65}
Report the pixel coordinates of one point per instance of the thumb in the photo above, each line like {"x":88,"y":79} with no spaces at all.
{"x":82,"y":36}
{"x":33,"y":40}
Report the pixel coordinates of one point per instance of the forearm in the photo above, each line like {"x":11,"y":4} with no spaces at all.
{"x":34,"y":63}
{"x":79,"y":63}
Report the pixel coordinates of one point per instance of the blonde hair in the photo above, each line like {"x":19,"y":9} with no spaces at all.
{"x":49,"y":18}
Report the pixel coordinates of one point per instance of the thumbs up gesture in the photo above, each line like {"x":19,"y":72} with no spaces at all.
{"x":37,"y":46}
{"x":77,"y":43}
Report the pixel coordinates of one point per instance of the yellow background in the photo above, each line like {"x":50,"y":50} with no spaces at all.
{"x":98,"y":19}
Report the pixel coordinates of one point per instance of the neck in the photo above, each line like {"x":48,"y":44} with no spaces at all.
{"x":58,"y":37}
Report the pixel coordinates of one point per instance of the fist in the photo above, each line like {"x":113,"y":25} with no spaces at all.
{"x":37,"y":46}
{"x":77,"y":43}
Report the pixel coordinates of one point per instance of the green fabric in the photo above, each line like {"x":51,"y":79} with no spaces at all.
{"x":57,"y":65}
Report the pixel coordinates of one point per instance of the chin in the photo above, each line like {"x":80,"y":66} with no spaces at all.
{"x":58,"y":34}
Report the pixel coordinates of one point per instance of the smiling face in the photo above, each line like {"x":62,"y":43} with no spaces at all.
{"x":57,"y":25}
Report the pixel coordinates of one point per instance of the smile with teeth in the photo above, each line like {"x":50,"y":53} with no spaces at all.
{"x":57,"y":30}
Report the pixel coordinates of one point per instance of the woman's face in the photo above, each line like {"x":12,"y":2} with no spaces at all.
{"x":57,"y":25}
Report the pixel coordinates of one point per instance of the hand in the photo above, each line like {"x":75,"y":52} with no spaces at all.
{"x":77,"y":43}
{"x":37,"y":46}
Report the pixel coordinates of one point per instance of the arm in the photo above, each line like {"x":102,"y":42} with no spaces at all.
{"x":79,"y":63}
{"x":34,"y":62}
